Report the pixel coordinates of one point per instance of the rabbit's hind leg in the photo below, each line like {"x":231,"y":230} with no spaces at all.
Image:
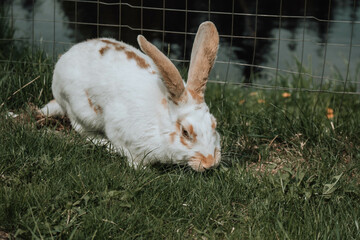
{"x":52,"y":109}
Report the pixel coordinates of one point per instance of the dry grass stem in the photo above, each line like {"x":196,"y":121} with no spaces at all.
{"x":14,"y":93}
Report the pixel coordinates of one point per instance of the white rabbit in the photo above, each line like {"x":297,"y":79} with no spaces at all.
{"x":139,"y":102}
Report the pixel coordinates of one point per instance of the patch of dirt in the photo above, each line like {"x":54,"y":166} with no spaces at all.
{"x":33,"y":116}
{"x":5,"y":235}
{"x":281,"y":156}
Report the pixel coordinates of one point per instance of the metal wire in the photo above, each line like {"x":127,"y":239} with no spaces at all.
{"x":54,"y":32}
{"x":278,"y":46}
{"x":254,"y":46}
{"x":213,"y":12}
{"x":303,"y":41}
{"x":349,"y":57}
{"x":119,"y":19}
{"x":295,"y":40}
{"x":273,"y":72}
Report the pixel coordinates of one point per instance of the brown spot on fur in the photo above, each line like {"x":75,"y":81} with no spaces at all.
{"x":172,"y":137}
{"x":191,"y":129}
{"x":185,"y":139}
{"x":90,"y":102}
{"x":102,"y":50}
{"x":213,"y":124}
{"x":119,"y":47}
{"x":164,"y":103}
{"x":109,"y":42}
{"x":206,"y":162}
{"x":153,"y":72}
{"x":178,"y":126}
{"x":139,"y":60}
{"x":192,"y":133}
{"x":97,"y":109}
{"x":183,"y":142}
{"x":88,"y":97}
{"x":116,"y":45}
{"x":130,"y":54}
{"x":178,"y":130}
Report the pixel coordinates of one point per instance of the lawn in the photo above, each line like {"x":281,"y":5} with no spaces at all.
{"x":290,"y":169}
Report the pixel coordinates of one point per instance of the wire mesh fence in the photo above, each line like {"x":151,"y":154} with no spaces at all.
{"x":301,"y":45}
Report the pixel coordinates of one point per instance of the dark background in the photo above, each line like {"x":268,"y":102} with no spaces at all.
{"x":302,"y":39}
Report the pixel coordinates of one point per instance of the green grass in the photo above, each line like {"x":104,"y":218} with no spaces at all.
{"x":288,"y":172}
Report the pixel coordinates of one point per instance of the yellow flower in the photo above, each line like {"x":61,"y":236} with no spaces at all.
{"x":330,"y":116}
{"x":330,"y":113}
{"x":253,"y":93}
{"x":261,"y":101}
{"x":286,"y":95}
{"x":241,"y":102}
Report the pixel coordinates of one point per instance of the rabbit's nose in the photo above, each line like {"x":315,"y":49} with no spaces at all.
{"x":200,"y":162}
{"x":208,"y":161}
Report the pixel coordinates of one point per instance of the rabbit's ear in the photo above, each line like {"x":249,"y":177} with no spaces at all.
{"x":203,"y":56}
{"x":168,"y":71}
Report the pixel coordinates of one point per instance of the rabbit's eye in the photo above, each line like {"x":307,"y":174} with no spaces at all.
{"x":185,"y":133}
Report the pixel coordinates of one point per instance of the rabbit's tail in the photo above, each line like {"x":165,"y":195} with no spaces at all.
{"x":52,"y":109}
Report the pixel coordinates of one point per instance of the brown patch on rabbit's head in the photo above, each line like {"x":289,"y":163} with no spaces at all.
{"x":183,"y":142}
{"x":213,"y":123}
{"x":172,"y":137}
{"x":197,"y":137}
{"x":192,"y":133}
{"x":164,"y":103}
{"x":186,"y":133}
{"x":199,"y":162}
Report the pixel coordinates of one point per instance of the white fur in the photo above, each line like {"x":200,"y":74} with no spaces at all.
{"x":52,"y":107}
{"x":129,"y":101}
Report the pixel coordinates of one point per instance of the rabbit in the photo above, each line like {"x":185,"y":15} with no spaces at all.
{"x":139,"y":102}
